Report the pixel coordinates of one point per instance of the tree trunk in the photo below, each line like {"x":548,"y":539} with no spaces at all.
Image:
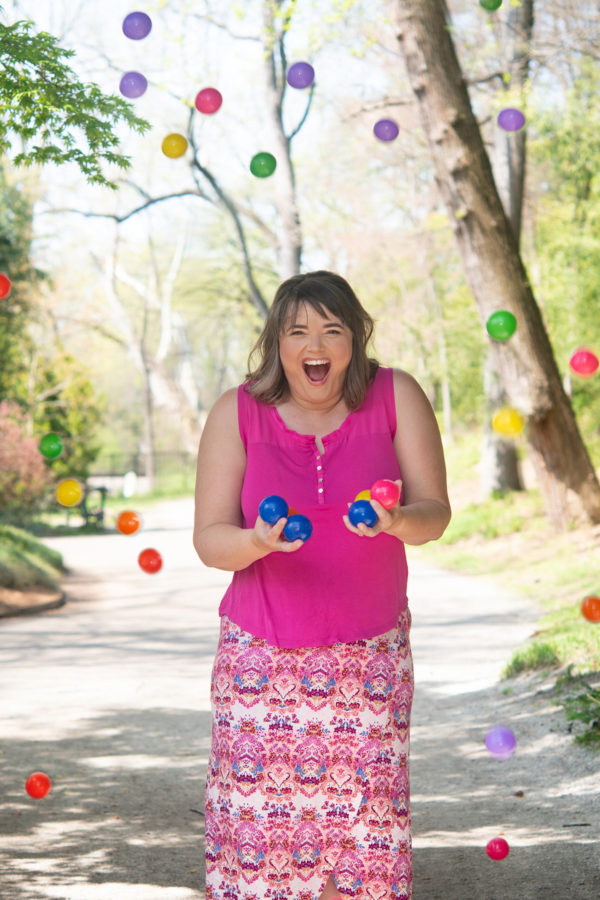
{"x":499,"y":460}
{"x":148,"y":446}
{"x":492,"y":263}
{"x":510,"y":147}
{"x":500,"y":471}
{"x":276,"y":24}
{"x":446,"y":399}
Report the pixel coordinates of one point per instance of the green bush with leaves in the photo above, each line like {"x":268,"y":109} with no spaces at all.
{"x":59,"y":118}
{"x":25,"y":562}
{"x":65,"y":402}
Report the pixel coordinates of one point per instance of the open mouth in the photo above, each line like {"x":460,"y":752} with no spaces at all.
{"x":316,"y":370}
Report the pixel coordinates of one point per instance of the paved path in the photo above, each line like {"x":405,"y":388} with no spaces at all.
{"x":109,"y":696}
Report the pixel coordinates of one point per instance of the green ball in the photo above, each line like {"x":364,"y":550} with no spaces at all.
{"x":51,"y":445}
{"x":490,"y":5}
{"x":263,"y":164}
{"x":501,"y":325}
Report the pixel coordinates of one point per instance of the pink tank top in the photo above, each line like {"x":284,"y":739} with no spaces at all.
{"x":338,"y":586}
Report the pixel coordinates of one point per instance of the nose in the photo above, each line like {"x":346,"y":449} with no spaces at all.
{"x":314,"y":341}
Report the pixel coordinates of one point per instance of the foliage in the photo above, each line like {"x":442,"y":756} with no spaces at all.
{"x":585,"y":707}
{"x":67,"y":405}
{"x":581,"y":707}
{"x":24,"y":478}
{"x":25,"y":562}
{"x":565,"y":153}
{"x":58,"y":118}
{"x":16,"y":213}
{"x":498,"y":515}
{"x":540,"y":655}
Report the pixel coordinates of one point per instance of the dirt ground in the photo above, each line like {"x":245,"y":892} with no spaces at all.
{"x":108,"y":694}
{"x":33,"y":601}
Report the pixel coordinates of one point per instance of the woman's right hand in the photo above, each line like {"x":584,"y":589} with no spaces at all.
{"x":270,"y":539}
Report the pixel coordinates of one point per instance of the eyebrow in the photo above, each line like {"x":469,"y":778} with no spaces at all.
{"x":326,"y":323}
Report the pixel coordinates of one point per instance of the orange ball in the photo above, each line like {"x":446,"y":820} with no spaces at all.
{"x":37,"y":785}
{"x":591,"y":609}
{"x":128,"y":522}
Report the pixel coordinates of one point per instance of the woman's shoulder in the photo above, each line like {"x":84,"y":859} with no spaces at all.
{"x":227,"y":401}
{"x":408,"y":393}
{"x":237,"y":408}
{"x":224,"y":411}
{"x":405,"y":382}
{"x":390,"y":380}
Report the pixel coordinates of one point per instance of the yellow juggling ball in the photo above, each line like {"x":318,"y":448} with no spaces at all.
{"x":508,"y":421}
{"x":69,"y":492}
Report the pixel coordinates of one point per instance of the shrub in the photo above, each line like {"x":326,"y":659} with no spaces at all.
{"x":24,"y":476}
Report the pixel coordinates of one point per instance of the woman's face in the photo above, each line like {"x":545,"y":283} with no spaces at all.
{"x":315,"y":352}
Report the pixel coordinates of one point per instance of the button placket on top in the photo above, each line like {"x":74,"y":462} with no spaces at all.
{"x":320,"y":482}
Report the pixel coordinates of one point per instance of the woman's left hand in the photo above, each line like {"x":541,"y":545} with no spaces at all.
{"x":387,"y":520}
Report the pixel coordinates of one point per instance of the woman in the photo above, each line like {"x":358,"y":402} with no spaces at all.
{"x":307,"y":786}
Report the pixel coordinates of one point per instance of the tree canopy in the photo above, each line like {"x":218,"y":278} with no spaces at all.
{"x":55,"y":117}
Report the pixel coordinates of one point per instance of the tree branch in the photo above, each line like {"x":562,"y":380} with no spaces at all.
{"x":256,"y":296}
{"x":132,"y":212}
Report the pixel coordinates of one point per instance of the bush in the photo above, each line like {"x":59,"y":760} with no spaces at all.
{"x":24,"y":476}
{"x":25,"y":562}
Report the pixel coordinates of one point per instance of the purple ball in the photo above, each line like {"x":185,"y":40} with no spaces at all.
{"x":511,"y":119}
{"x":137,"y":25}
{"x":385,"y":130}
{"x":133,"y":84}
{"x":500,"y":742}
{"x":300,"y":75}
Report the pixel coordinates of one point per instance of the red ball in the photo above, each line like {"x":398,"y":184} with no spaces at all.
{"x":208,"y":100}
{"x":497,"y":848}
{"x":590,"y":608}
{"x":5,"y":286}
{"x":38,"y":785}
{"x":128,"y":522}
{"x":150,"y":560}
{"x":584,"y":362}
{"x":385,"y":492}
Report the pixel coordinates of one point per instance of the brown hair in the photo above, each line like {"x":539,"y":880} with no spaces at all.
{"x":324,"y":292}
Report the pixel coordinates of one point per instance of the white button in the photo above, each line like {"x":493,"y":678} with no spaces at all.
{"x":319,"y":468}
{"x":320,"y":479}
{"x":320,"y":490}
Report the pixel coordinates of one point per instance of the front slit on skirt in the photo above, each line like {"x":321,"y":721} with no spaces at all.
{"x":308,"y":772}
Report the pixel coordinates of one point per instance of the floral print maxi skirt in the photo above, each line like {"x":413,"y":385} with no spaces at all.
{"x":308,"y":770}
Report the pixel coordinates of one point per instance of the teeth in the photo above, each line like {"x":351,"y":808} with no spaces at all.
{"x":316,"y":362}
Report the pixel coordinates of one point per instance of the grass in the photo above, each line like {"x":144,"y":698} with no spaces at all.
{"x":511,"y":540}
{"x":27,"y":563}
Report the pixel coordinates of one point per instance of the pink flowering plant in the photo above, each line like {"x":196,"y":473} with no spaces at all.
{"x":24,"y":477}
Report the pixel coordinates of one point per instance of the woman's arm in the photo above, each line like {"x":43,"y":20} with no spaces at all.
{"x":425,"y":511}
{"x":219,"y":538}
